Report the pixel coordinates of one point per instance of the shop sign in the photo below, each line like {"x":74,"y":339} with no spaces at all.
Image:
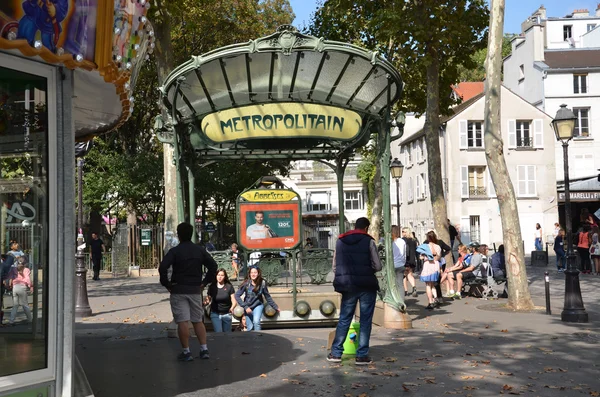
{"x":19,"y":212}
{"x":266,"y":195}
{"x":282,"y":120}
{"x":580,"y":196}
{"x":146,"y":236}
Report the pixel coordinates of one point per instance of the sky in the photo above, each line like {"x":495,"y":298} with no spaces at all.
{"x":516,"y":10}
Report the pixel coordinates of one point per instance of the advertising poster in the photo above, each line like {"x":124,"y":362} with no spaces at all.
{"x":269,"y":225}
{"x":66,"y":24}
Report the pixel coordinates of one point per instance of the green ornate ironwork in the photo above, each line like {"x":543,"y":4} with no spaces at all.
{"x":285,"y":67}
{"x":317,"y":263}
{"x":223,"y":259}
{"x":270,"y":269}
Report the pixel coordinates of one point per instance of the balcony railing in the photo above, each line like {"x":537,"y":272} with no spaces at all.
{"x":524,"y":142}
{"x":477,"y":191}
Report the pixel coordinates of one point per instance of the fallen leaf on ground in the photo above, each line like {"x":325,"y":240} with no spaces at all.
{"x":263,"y":375}
{"x":504,"y":330}
{"x":390,"y":359}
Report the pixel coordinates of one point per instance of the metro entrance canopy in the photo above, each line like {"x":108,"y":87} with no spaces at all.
{"x":285,"y":96}
{"x":317,"y":98}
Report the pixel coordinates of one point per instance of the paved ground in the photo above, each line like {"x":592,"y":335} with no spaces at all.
{"x":469,"y":347}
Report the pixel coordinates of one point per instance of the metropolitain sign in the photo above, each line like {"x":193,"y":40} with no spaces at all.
{"x":282,"y":120}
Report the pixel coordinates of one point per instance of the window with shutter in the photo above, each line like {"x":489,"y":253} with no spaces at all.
{"x":462,"y":134}
{"x":512,"y":133}
{"x":582,"y":122}
{"x":475,"y":134}
{"x":526,"y":183}
{"x":464,"y":181}
{"x":538,"y":133}
{"x":490,"y":185}
{"x":524,"y":136}
{"x":410,"y":190}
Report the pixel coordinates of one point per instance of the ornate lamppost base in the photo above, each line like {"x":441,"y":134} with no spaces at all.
{"x":82,"y":304}
{"x":573,"y":312}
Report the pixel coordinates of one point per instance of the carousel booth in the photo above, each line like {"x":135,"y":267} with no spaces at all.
{"x":67,"y":69}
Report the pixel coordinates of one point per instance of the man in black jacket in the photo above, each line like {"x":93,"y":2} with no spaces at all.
{"x":186,"y":287}
{"x":355,"y":262}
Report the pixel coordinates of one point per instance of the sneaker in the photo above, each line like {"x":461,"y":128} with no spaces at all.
{"x":204,"y":354}
{"x":185,"y":357}
{"x":363,"y":360}
{"x":457,"y":295}
{"x":449,"y":295}
{"x":414,"y":293}
{"x":405,"y":293}
{"x":429,"y":307}
{"x":333,"y":359}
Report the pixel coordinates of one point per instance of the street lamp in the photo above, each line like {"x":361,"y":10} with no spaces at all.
{"x":573,"y":312}
{"x":82,"y":304}
{"x":396,"y":169}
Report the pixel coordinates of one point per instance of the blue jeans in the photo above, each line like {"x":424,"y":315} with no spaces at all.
{"x":253,"y":320}
{"x":538,"y":244}
{"x":347,"y":309}
{"x":221,"y":322}
{"x":561,"y":260}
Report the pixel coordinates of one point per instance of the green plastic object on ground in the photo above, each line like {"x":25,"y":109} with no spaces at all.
{"x":351,"y":343}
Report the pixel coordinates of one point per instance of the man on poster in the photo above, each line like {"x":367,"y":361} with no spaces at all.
{"x":259,"y":230}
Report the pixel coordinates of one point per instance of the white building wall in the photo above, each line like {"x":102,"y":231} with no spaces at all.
{"x":579,"y":27}
{"x":540,"y":208}
{"x":591,"y":39}
{"x":521,"y":75}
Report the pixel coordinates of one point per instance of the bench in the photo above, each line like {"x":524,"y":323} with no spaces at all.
{"x":484,"y":287}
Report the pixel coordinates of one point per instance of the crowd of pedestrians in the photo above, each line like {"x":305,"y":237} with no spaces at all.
{"x":585,"y":241}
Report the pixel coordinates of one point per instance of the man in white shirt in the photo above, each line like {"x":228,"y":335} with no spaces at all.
{"x":258,"y":230}
{"x":399,"y":251}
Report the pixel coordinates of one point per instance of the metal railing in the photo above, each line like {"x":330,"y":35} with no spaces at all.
{"x":524,"y":142}
{"x":105,"y":266}
{"x":477,"y":191}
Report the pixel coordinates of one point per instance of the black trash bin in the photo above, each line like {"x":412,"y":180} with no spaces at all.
{"x":539,"y":258}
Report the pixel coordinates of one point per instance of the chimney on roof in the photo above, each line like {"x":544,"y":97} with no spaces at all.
{"x":581,"y":13}
{"x":598,"y":10}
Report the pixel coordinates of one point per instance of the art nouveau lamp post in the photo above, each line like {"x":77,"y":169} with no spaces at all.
{"x":396,"y":169}
{"x":82,"y":304}
{"x":573,"y":312}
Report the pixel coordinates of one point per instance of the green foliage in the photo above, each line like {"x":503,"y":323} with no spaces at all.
{"x":221,"y":183}
{"x":366,"y":174}
{"x":410,"y":34}
{"x":477,"y":73}
{"x":124,"y":169}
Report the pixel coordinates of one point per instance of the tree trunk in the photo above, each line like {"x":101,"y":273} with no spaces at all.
{"x":163,"y":56}
{"x":377,"y":203}
{"x":518,"y":292}
{"x":434,"y":158}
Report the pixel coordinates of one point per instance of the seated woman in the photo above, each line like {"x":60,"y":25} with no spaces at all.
{"x":254,"y":288}
{"x":221,"y":297}
{"x":449,"y":273}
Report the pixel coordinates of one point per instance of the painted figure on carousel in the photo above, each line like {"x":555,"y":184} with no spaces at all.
{"x":44,"y":16}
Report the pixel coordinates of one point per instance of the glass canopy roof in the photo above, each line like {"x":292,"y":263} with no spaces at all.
{"x":284,"y":67}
